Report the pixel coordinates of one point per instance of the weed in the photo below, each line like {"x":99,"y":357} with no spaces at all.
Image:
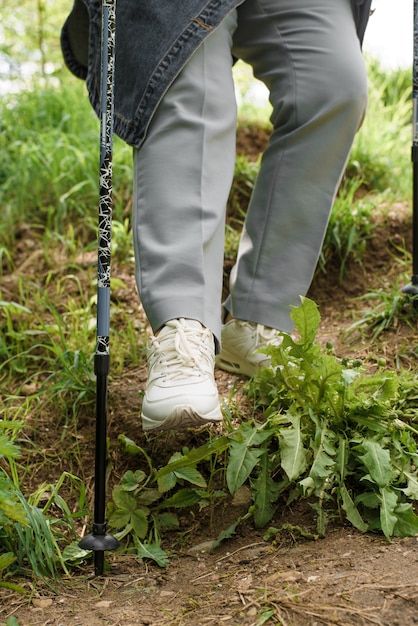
{"x":388,"y":310}
{"x":351,"y":225}
{"x":343,"y":435}
{"x":140,"y":512}
{"x":28,"y":534}
{"x":244,"y":179}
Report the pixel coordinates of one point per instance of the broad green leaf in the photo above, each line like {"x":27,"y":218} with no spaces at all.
{"x":152,"y":551}
{"x":351,"y":511}
{"x":377,"y":461}
{"x":148,"y":496}
{"x":306,"y":318}
{"x":119,"y":518}
{"x":292,"y":452}
{"x":242,"y":455}
{"x":10,"y":506}
{"x":279,"y":355}
{"x":251,"y":435}
{"x":376,"y":391}
{"x":412,"y":489}
{"x":8,"y":448}
{"x":131,"y":480}
{"x":322,"y":469}
{"x":188,"y":473}
{"x":348,"y":376}
{"x":192,"y":475}
{"x":266,"y":491}
{"x":73,"y":553}
{"x":6,"y":559}
{"x":242,"y":461}
{"x":176,"y":456}
{"x":407,"y":521}
{"x":124,"y":500}
{"x":139,"y":521}
{"x":166,"y":482}
{"x":388,"y":518}
{"x":182,"y":499}
{"x":341,"y":460}
{"x":322,"y":465}
{"x":369,"y":499}
{"x":167,"y":521}
{"x":388,"y":387}
{"x":215,"y":446}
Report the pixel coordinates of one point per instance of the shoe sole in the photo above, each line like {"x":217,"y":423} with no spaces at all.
{"x":180,"y":418}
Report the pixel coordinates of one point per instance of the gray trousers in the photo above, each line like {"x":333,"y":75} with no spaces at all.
{"x":308,"y":55}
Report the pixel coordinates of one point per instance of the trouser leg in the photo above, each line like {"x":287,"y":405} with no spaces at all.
{"x":308,"y":55}
{"x":182,"y":178}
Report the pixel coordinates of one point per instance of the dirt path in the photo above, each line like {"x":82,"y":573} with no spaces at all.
{"x":345,"y":578}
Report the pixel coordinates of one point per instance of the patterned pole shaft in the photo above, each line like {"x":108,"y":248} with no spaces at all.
{"x":102,"y":356}
{"x":415,"y":149}
{"x":105,"y":194}
{"x":415,"y":63}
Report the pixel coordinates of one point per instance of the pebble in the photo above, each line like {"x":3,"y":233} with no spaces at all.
{"x":42,"y":603}
{"x":103,"y":604}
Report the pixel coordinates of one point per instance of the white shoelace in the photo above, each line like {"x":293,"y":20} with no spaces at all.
{"x":266,"y":336}
{"x":182,"y":351}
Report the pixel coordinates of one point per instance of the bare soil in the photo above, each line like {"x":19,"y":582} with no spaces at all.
{"x":297,"y":580}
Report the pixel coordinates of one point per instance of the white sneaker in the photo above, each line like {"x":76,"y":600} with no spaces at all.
{"x":181,"y":390}
{"x":241,"y":342}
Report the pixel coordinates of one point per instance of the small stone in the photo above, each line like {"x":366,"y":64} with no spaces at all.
{"x":205,"y":546}
{"x":167,"y":594}
{"x":42,"y":603}
{"x":291,"y":576}
{"x":103,"y":604}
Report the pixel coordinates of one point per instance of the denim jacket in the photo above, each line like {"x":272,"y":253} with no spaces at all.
{"x":154,"y":40}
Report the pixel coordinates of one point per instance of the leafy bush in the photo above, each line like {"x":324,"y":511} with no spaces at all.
{"x":342,"y":436}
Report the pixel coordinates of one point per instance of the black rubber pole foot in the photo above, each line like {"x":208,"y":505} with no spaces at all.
{"x":99,"y":542}
{"x":412,"y":290}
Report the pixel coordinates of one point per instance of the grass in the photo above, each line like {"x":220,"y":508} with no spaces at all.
{"x":388,"y":309}
{"x":351,"y":224}
{"x":48,"y":196}
{"x":380,"y":157}
{"x":49,"y":154}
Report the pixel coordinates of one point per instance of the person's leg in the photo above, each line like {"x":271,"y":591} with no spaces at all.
{"x":308,"y":54}
{"x":183,"y":174}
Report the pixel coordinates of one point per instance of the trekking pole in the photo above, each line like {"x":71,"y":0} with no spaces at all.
{"x":99,"y":540}
{"x":412,"y":287}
